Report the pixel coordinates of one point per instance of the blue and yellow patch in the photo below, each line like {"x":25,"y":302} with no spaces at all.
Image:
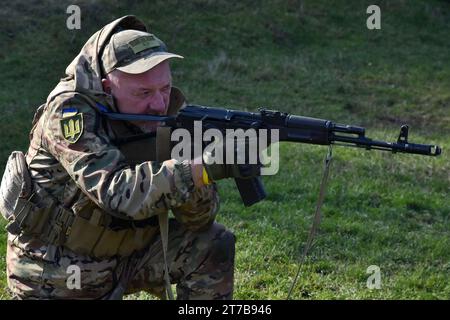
{"x":69,"y":112}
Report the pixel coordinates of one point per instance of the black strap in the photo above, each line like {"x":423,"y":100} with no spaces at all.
{"x":120,"y":224}
{"x":136,"y":137}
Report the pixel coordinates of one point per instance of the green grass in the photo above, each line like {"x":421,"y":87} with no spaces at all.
{"x":313,"y":58}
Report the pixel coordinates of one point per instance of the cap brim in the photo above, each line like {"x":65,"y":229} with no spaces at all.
{"x":146,"y":63}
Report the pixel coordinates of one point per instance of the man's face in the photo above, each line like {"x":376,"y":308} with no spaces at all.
{"x":144,"y":93}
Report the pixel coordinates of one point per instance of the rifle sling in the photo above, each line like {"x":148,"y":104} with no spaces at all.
{"x":317,"y":216}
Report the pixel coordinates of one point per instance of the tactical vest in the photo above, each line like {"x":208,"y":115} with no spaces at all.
{"x":84,"y":228}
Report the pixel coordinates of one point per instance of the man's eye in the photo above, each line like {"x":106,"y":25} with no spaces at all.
{"x":144,"y":94}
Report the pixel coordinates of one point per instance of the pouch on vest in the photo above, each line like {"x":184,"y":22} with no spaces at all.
{"x":91,"y":233}
{"x":18,"y":203}
{"x":16,"y":185}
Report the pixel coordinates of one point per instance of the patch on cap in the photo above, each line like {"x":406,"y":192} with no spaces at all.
{"x":143,"y":43}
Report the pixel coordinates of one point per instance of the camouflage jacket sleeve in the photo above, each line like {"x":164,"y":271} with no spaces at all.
{"x":99,"y":169}
{"x":200,"y":209}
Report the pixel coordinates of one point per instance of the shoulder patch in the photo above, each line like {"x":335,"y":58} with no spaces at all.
{"x":69,"y":112}
{"x":72,"y":127}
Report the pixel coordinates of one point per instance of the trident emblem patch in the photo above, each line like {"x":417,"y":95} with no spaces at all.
{"x":72,"y":127}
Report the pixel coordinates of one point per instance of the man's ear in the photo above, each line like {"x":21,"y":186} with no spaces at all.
{"x":106,"y":83}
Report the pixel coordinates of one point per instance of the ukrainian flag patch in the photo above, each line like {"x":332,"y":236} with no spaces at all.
{"x":69,"y":112}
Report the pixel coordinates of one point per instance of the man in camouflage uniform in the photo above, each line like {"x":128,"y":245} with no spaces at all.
{"x":98,"y":197}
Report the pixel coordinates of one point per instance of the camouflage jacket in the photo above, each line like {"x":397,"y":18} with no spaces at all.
{"x":73,"y":156}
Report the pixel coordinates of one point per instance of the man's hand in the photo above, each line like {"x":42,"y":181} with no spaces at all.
{"x":218,"y":171}
{"x":223,"y":171}
{"x":197,"y":172}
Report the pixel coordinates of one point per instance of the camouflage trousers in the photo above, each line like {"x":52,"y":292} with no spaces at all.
{"x":200,"y":263}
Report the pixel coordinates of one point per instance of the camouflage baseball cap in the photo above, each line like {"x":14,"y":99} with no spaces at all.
{"x":134,"y":51}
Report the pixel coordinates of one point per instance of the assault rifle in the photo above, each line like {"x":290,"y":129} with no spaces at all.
{"x":290,"y":127}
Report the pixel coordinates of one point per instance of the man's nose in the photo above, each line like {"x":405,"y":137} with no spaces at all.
{"x":157,"y":104}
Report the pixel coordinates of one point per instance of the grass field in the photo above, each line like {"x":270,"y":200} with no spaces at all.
{"x":314,"y":58}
